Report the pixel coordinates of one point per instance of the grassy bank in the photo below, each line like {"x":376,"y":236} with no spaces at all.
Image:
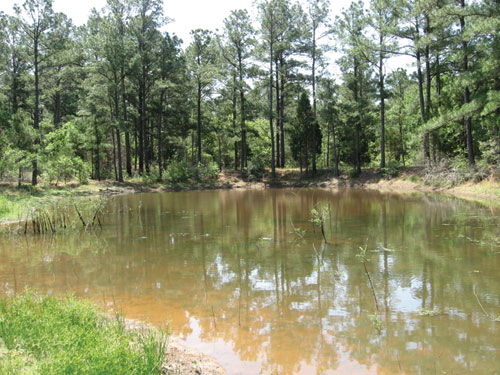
{"x":15,"y":202}
{"x":47,"y":335}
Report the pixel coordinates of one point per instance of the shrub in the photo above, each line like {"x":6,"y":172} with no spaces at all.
{"x":178,"y":171}
{"x":391,"y":170}
{"x":182,"y":171}
{"x":354,"y":173}
{"x":59,"y":160}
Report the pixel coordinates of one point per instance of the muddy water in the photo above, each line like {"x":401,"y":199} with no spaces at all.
{"x":231,"y":274}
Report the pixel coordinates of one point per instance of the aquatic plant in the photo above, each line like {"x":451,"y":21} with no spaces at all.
{"x":318,"y":218}
{"x":363,"y":259}
{"x":51,"y":217}
{"x":376,"y":322}
{"x":491,"y":317}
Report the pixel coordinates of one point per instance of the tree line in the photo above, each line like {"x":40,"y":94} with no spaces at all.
{"x":119,"y":96}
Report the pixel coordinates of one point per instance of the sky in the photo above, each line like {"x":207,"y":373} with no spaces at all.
{"x":185,"y":15}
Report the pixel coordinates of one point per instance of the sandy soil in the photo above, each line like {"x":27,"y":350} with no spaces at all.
{"x":181,"y":359}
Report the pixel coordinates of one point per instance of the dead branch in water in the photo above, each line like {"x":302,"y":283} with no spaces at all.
{"x":490,"y":317}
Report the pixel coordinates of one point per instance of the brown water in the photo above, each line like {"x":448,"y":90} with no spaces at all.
{"x":227,"y":272}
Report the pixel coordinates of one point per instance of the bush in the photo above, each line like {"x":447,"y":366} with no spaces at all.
{"x":255,"y":170}
{"x":59,"y":160}
{"x":182,"y":171}
{"x":455,"y":172}
{"x":391,"y":170}
{"x":207,"y":172}
{"x":354,"y":173}
{"x":178,"y":171}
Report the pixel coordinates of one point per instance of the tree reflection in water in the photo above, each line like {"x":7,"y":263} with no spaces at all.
{"x":226,"y":269}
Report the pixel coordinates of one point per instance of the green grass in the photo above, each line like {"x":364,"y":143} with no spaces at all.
{"x":48,"y":335}
{"x":15,"y":202}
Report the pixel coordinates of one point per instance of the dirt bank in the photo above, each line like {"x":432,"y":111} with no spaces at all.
{"x":14,"y":201}
{"x":181,"y":359}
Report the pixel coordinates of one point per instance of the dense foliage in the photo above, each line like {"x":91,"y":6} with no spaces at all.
{"x":117,"y":96}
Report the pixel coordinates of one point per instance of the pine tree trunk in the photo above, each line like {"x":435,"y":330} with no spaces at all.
{"x":118,"y":135}
{"x":235,"y":131}
{"x":160,"y":118}
{"x":282,"y":114}
{"x":198,"y":128}
{"x":468,"y":120}
{"x":142,"y":130}
{"x":336,"y":159}
{"x":358,"y":118}
{"x":382,"y":108}
{"x":278,"y":157}
{"x":428,"y":78}
{"x":97,"y":152}
{"x":128,"y":155}
{"x":314,"y":136}
{"x":271,"y":127}
{"x":242,"y":110}
{"x":36,"y":125}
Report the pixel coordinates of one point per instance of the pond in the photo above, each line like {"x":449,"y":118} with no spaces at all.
{"x":245,"y":276}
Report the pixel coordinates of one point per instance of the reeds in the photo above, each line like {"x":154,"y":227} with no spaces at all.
{"x":53,"y":217}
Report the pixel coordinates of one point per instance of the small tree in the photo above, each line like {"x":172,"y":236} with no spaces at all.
{"x":302,"y":146}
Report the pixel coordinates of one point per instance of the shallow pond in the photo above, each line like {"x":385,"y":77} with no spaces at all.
{"x":244,"y":276}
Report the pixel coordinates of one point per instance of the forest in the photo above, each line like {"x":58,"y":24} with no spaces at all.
{"x":283,"y":85}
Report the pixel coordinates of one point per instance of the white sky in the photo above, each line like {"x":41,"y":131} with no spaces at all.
{"x":186,"y":14}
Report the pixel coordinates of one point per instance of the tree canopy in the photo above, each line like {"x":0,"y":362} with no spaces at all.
{"x":291,"y":87}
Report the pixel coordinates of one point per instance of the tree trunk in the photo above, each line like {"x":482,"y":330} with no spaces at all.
{"x":144,"y":122}
{"x":97,"y":152}
{"x":382,"y":108}
{"x":420,"y":78}
{"x":235,"y":131}
{"x":198,"y":128}
{"x":468,"y":120}
{"x":336,"y":159}
{"x":428,"y":77}
{"x":314,"y":102}
{"x":401,"y":139}
{"x":118,"y":135}
{"x":119,"y":146}
{"x":220,"y":152}
{"x":142,"y":130}
{"x":36,"y":125}
{"x":242,"y":110}
{"x":128,"y":155}
{"x":278,"y":157}
{"x":114,"y":154}
{"x":57,"y":109}
{"x":282,"y":113}
{"x":358,"y":117}
{"x":160,"y":118}
{"x":438,"y":81}
{"x":136,"y":146}
{"x":427,"y":151}
{"x":273,"y":166}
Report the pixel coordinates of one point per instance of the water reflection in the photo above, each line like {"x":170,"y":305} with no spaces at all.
{"x":233,"y":278}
